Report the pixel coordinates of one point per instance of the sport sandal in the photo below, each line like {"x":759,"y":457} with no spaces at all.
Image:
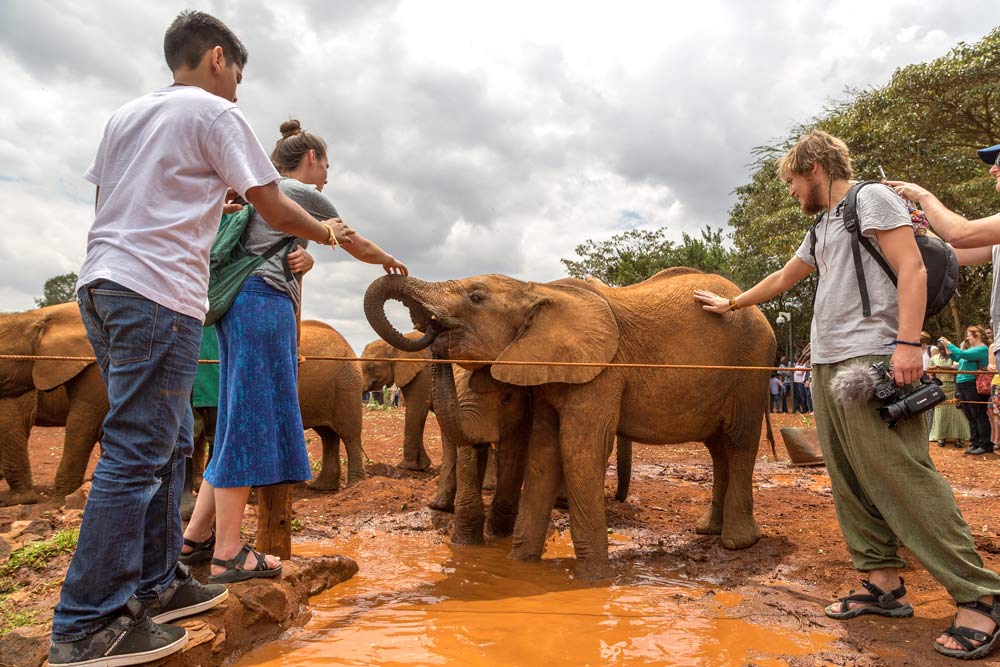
{"x":962,"y":634}
{"x":234,"y":568}
{"x":200,"y":551}
{"x":876,"y":602}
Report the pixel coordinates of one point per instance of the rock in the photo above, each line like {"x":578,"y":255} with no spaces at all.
{"x":78,"y":499}
{"x":25,"y":647}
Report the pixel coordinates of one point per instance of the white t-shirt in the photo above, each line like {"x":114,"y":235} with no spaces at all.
{"x":162,"y":168}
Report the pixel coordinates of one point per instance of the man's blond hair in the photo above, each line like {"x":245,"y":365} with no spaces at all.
{"x":817,"y":146}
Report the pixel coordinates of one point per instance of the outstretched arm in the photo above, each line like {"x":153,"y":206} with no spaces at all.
{"x":286,"y":216}
{"x":780,"y":281}
{"x":367,"y":251}
{"x":953,"y":228}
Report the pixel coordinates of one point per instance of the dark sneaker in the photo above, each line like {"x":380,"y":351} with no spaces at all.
{"x":185,"y":597}
{"x":130,"y":639}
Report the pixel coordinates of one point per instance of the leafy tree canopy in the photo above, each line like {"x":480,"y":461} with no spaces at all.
{"x":58,"y":289}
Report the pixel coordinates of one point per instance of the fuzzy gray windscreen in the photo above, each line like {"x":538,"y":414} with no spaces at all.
{"x":855,"y":382}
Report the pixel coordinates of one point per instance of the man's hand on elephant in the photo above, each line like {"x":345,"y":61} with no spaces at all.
{"x":395,"y":266}
{"x":713,"y":303}
{"x":300,"y":261}
{"x":910,"y":191}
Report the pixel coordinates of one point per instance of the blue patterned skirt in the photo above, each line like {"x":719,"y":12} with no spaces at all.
{"x":259,"y":438}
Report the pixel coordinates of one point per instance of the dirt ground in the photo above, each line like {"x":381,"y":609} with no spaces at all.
{"x":799,"y":564}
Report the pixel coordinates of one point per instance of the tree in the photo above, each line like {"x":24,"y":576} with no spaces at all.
{"x":637,"y":254}
{"x":923,"y":126}
{"x":58,"y":289}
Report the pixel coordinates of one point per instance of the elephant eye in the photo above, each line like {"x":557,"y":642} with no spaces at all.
{"x":505,"y":398}
{"x":477,"y":297}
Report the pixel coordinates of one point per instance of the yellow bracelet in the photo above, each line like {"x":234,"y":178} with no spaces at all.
{"x":332,"y":239}
{"x":732,"y":303}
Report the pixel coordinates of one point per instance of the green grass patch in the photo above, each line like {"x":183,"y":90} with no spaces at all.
{"x":13,"y":618}
{"x":36,"y":555}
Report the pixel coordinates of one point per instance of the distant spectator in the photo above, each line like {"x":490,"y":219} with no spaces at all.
{"x":949,"y":425}
{"x":974,"y":358}
{"x":777,"y":390}
{"x":786,"y":380}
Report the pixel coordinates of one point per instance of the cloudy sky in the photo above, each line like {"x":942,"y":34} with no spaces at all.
{"x":465,"y":137}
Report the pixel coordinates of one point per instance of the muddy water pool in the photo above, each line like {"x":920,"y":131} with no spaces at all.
{"x":418,"y":600}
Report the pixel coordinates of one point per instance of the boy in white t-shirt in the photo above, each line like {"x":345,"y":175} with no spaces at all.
{"x":161,"y":171}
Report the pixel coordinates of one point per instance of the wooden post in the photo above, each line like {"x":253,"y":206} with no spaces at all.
{"x":274,"y":520}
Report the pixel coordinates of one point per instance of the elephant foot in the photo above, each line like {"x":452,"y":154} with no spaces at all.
{"x":325,"y":484}
{"x":502,"y":525}
{"x":23,"y":497}
{"x":418,"y":466}
{"x":354,"y":478}
{"x":562,"y":503}
{"x":468,"y":537}
{"x":594,"y":570}
{"x":187,"y":506}
{"x":523,"y":555}
{"x":745,"y":536}
{"x":442,"y":504}
{"x":709,"y":525}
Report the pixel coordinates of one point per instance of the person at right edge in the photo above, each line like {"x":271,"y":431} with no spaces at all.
{"x":886,"y":490}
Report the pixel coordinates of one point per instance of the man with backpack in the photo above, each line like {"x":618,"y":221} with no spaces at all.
{"x":886,"y":490}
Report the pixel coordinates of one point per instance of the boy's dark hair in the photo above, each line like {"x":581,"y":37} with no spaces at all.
{"x":193,"y":33}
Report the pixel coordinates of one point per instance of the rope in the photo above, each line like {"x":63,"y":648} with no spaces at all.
{"x":496,"y":362}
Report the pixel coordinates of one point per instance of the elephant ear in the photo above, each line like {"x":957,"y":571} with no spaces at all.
{"x":565,"y":323}
{"x":403,"y":372}
{"x":59,"y":332}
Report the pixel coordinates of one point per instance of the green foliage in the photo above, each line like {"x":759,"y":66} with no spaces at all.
{"x":923,"y":126}
{"x":637,"y":254}
{"x":297,"y":525}
{"x":36,"y":555}
{"x":58,"y":289}
{"x":11,"y":617}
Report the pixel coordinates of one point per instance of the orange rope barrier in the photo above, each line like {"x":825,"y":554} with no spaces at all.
{"x":587,"y":364}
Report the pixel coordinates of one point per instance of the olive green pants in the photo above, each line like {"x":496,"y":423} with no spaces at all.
{"x":887,"y":491}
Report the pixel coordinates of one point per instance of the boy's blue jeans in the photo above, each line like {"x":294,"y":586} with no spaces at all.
{"x":131,"y":535}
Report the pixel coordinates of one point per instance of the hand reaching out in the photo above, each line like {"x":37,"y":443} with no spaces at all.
{"x":395,"y":266}
{"x":711,"y":301}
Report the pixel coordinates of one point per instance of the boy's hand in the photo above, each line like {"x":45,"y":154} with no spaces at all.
{"x":341,"y":230}
{"x":228,"y":205}
{"x":907,"y":364}
{"x":713,"y":303}
{"x":300,"y":261}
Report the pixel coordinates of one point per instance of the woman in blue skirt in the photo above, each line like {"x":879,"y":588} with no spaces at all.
{"x":259,"y":436}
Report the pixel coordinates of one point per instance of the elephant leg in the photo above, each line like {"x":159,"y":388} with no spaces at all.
{"x":444,"y":496}
{"x":739,"y":528}
{"x":470,"y":515}
{"x":584,"y":467}
{"x":417,"y":407}
{"x":17,"y":415}
{"x":623,"y":466}
{"x":88,"y":406}
{"x":712,"y":521}
{"x":355,"y":459}
{"x":490,"y":480}
{"x":542,"y":477}
{"x":187,"y":495}
{"x":328,"y":478}
{"x":510,"y":457}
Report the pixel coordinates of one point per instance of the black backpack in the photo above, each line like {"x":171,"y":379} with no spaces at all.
{"x":939,"y":258}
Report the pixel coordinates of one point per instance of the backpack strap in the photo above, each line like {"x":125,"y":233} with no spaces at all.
{"x":853,"y":225}
{"x":812,"y":241}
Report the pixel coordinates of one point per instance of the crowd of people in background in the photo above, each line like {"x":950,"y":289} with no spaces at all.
{"x":792,"y":386}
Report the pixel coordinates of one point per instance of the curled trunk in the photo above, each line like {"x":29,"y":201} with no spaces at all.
{"x":446,"y":407}
{"x":394,"y":287}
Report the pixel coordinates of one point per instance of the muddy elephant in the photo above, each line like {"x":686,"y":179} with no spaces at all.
{"x":498,"y":414}
{"x":414,"y":381}
{"x":48,"y":393}
{"x":328,"y":398}
{"x":576,"y":409}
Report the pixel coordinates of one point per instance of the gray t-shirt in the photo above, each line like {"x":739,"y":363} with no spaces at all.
{"x":260,"y":236}
{"x":839,"y":330}
{"x":994,"y":297}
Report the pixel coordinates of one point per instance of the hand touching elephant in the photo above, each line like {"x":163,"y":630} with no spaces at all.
{"x":414,"y":380}
{"x":577,"y":409}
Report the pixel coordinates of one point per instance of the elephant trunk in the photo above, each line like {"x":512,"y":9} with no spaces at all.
{"x":404,"y":289}
{"x":446,"y":407}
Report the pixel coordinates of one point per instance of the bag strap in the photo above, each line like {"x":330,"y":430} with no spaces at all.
{"x":853,"y":225}
{"x":812,"y":241}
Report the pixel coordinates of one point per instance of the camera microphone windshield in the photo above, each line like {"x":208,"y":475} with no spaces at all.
{"x":854,"y":382}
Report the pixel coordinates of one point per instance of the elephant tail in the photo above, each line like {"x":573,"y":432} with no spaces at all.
{"x":770,"y":433}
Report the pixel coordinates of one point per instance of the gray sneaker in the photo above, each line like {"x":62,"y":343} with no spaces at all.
{"x":130,"y":639}
{"x":186,"y":596}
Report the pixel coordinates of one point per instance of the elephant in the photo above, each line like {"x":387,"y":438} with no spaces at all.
{"x":499,"y":413}
{"x":48,"y":393}
{"x":414,"y":380}
{"x":509,"y":326}
{"x":328,"y":398}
